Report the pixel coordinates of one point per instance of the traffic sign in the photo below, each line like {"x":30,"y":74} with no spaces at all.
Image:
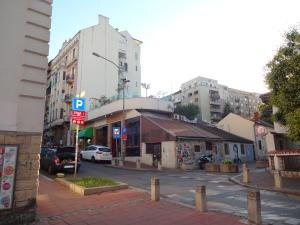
{"x":124,"y":134}
{"x":78,"y":117}
{"x":116,"y":132}
{"x":78,"y":104}
{"x":261,"y":131}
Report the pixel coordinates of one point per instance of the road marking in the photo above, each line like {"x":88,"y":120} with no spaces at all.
{"x":293,"y":221}
{"x":172,"y":195}
{"x":185,"y":177}
{"x":193,"y":191}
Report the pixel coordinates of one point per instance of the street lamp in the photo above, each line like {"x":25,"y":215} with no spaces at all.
{"x":124,"y":81}
{"x":146,"y":86}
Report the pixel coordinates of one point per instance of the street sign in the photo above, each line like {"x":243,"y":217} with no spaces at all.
{"x":78,"y":104}
{"x":124,"y":134}
{"x":78,"y":117}
{"x":116,"y":132}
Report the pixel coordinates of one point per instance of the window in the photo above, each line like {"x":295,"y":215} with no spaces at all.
{"x":62,"y":91}
{"x":64,"y":75}
{"x":196,"y":99}
{"x":259,"y":145}
{"x":208,"y":145}
{"x":152,"y":147}
{"x":242,"y":149}
{"x":136,"y":68}
{"x":73,"y":71}
{"x":61,"y":113}
{"x":56,"y":114}
{"x":226,"y":148}
{"x":73,"y":53}
{"x":195,"y":92}
{"x":125,"y":67}
{"x":197,"y":148}
{"x":190,"y":94}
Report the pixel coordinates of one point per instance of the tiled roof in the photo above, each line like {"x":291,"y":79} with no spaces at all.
{"x":226,"y":136}
{"x":182,"y":129}
{"x":285,"y":152}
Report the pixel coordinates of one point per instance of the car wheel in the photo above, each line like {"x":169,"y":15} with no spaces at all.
{"x":50,"y":170}
{"x":93,"y":159}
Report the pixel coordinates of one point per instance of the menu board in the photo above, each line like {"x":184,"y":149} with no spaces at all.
{"x":8,"y":157}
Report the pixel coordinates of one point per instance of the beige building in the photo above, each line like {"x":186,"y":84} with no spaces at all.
{"x":76,"y":69}
{"x":23,"y":63}
{"x":211,"y":98}
{"x":246,"y":128}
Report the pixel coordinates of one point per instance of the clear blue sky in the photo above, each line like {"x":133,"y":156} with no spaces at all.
{"x":227,"y":40}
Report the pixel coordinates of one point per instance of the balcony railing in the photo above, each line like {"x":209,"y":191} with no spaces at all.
{"x":70,"y":79}
{"x":68,"y":98}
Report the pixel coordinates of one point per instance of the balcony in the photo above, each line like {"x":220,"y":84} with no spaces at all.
{"x":215,"y":102}
{"x":217,"y":110}
{"x":68,"y":98}
{"x":70,"y":79}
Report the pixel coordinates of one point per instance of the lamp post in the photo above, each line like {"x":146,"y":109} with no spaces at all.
{"x":124,"y":81}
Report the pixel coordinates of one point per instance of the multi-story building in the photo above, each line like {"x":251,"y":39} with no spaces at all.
{"x":94,"y":61}
{"x":211,"y":98}
{"x":25,"y":32}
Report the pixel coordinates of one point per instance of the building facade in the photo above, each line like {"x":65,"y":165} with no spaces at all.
{"x":24,"y":48}
{"x":211,"y":98}
{"x":93,"y":62}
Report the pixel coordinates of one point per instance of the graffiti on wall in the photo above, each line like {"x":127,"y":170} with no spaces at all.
{"x":185,"y":154}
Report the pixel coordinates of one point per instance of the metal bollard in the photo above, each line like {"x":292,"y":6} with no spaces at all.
{"x":200,"y":199}
{"x":254,"y":207}
{"x":138,"y":164}
{"x":113,"y":162}
{"x":245,"y":174}
{"x":155,"y":192}
{"x":277,"y":179}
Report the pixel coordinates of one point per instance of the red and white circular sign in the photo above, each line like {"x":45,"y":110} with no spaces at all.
{"x":261,"y":131}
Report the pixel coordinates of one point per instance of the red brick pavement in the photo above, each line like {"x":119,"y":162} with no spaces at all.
{"x":58,"y":206}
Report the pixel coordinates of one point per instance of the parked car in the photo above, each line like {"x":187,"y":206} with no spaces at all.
{"x":203,"y":160}
{"x":60,"y":159}
{"x":96,"y":153}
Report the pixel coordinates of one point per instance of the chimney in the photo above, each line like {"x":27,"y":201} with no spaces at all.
{"x":103,"y":19}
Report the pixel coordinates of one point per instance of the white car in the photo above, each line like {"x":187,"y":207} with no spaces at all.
{"x":96,"y":153}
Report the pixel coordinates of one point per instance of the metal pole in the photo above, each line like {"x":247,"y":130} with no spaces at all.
{"x":123,"y":124}
{"x":76,"y":150}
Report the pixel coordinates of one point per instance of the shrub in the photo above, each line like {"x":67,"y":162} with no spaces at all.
{"x":227,"y":162}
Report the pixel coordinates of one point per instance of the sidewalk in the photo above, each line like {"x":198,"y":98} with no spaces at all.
{"x":261,"y":179}
{"x":59,"y":206}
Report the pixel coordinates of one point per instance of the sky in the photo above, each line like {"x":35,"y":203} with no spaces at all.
{"x":227,"y":40}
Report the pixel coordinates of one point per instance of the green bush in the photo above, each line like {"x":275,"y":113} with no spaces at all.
{"x":227,"y":162}
{"x":93,"y":181}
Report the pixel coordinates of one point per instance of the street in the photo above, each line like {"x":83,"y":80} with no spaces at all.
{"x":222,"y":195}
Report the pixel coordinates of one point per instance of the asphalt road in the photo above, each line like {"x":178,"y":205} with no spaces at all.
{"x":222,"y":195}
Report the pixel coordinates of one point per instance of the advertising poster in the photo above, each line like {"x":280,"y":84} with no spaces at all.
{"x":8,"y":157}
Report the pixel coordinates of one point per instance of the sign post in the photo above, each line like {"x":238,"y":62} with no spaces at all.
{"x":78,"y":116}
{"x":116,"y":135}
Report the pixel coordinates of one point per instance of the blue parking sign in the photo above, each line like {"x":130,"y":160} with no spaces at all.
{"x":116,"y":132}
{"x":78,"y":104}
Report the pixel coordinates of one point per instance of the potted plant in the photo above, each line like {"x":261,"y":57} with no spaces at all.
{"x":227,"y":166}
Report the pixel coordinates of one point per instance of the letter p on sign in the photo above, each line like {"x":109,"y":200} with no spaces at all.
{"x":78,"y":104}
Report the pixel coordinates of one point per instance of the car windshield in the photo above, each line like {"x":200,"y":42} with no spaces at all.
{"x":104,"y":149}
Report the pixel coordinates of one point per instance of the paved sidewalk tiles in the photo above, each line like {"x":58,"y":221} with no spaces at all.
{"x":58,"y":206}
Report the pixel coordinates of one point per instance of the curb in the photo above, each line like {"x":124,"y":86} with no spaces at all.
{"x":131,"y":168}
{"x":284,"y":191}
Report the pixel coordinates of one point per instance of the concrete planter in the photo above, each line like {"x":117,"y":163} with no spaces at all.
{"x":212,"y":167}
{"x":90,"y":191}
{"x":261,"y":164}
{"x":229,"y":168}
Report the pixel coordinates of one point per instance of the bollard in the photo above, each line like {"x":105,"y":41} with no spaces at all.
{"x":113,"y":162}
{"x":200,"y":199}
{"x":155,"y":193}
{"x":121,"y":162}
{"x":138,"y":164}
{"x":159,"y":167}
{"x":277,"y":179}
{"x":254,"y":207}
{"x":245,"y":174}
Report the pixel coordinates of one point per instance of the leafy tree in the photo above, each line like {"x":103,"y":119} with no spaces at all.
{"x":265,"y":112}
{"x":227,"y":109}
{"x":190,"y":111}
{"x":283,"y":78}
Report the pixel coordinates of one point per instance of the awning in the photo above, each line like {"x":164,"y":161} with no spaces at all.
{"x":86,"y":133}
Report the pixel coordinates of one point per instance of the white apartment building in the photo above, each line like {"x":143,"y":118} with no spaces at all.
{"x":211,"y":98}
{"x":93,"y":62}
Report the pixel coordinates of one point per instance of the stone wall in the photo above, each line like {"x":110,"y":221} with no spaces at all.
{"x":26,"y":181}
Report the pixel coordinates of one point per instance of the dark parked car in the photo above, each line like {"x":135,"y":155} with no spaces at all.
{"x":60,"y":159}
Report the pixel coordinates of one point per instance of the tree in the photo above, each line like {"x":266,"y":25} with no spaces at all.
{"x":227,"y":109}
{"x":265,"y":112}
{"x":283,"y":79}
{"x":190,"y":111}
